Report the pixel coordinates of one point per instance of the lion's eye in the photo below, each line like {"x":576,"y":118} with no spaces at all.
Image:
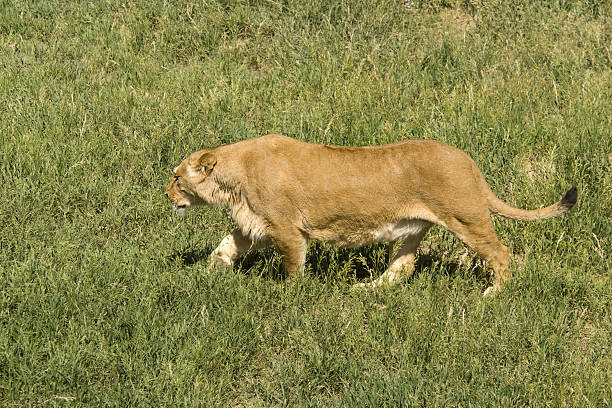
{"x":178,"y":183}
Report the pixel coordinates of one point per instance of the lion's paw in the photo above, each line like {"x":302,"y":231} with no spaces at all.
{"x":218,"y":262}
{"x":490,"y":290}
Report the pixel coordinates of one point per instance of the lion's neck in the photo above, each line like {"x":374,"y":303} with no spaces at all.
{"x":219,"y":192}
{"x":229,"y":195}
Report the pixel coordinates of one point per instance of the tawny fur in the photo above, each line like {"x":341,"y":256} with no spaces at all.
{"x":285,"y":192}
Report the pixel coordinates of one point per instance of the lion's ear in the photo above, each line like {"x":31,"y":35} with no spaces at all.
{"x":205,"y":163}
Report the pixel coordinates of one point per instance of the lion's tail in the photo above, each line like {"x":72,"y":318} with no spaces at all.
{"x":497,"y":206}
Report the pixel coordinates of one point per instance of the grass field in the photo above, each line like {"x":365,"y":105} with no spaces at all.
{"x":105,"y":299}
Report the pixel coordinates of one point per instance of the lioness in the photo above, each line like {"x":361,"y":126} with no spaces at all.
{"x":285,"y":192}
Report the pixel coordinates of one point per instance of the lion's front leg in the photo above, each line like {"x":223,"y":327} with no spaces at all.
{"x":231,"y":246}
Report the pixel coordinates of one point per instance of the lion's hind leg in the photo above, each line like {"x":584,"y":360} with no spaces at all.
{"x":401,"y":263}
{"x":479,"y":234}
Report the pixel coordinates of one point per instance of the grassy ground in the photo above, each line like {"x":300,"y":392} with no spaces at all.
{"x":104,"y":295}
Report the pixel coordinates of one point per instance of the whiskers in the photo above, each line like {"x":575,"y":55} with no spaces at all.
{"x":180,"y":209}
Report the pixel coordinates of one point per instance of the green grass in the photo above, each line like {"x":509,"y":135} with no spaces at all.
{"x":104,"y":295}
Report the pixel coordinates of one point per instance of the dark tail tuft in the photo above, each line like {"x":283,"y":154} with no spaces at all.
{"x":570,"y":198}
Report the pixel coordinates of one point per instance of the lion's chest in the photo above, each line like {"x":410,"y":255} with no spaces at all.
{"x":251,"y":225}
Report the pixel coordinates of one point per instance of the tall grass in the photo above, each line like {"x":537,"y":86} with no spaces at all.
{"x":105,"y":299}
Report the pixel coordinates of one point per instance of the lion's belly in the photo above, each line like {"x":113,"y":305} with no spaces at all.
{"x":356,"y":236}
{"x":400,"y":229}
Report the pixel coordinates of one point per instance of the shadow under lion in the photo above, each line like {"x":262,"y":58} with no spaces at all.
{"x":325,"y":262}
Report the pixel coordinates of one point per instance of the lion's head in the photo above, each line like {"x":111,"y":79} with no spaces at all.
{"x":188,"y":187}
